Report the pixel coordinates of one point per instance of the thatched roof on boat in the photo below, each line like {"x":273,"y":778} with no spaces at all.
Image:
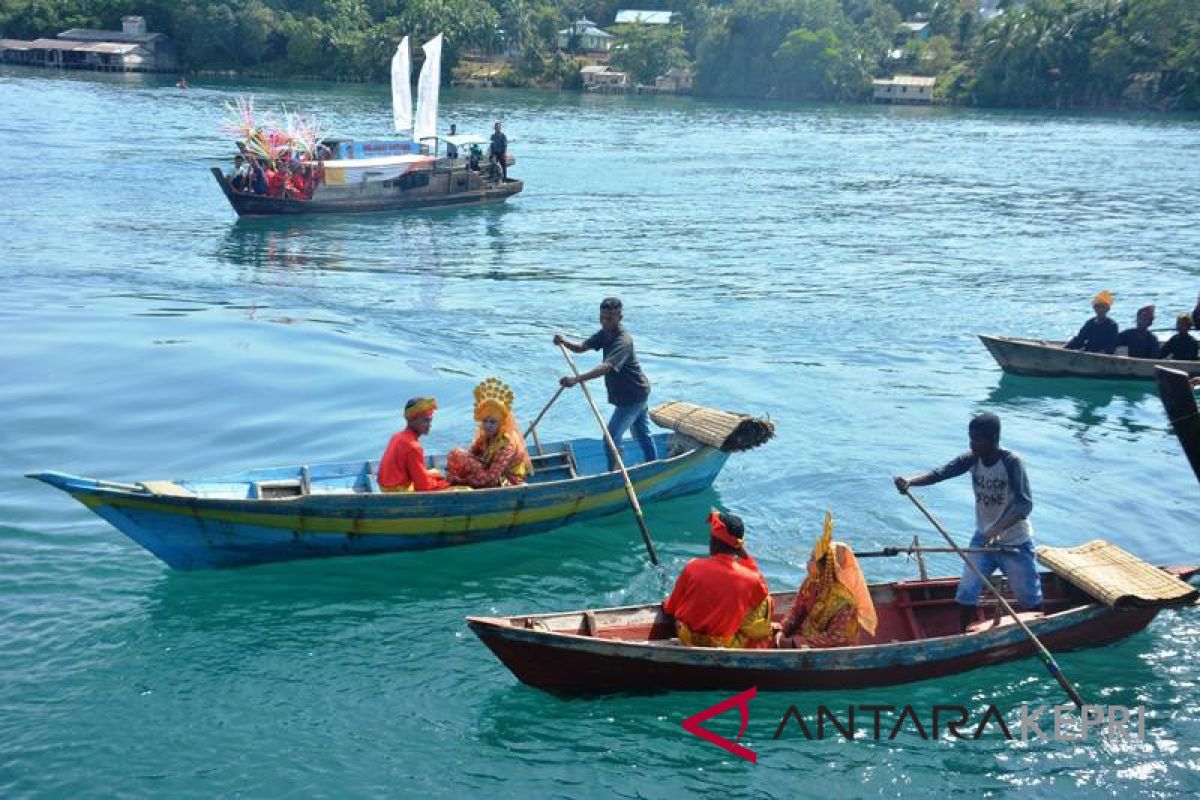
{"x":1115,"y":577}
{"x":724,"y":430}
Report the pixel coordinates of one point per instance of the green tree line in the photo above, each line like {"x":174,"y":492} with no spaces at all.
{"x":1040,"y":53}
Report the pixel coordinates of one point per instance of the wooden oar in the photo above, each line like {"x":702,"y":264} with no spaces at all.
{"x":889,"y":552}
{"x":1043,"y":653}
{"x":533,"y":424}
{"x":633,"y":500}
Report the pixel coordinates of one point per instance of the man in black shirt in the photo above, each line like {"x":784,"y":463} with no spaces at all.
{"x":1181,"y":346}
{"x":1099,"y":334}
{"x":628,"y":388}
{"x":1140,"y":341}
{"x":499,"y":151}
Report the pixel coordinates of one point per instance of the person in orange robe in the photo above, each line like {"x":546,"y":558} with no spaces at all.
{"x":833,"y":605}
{"x":402,"y":468}
{"x":498,"y":456}
{"x":722,"y":600}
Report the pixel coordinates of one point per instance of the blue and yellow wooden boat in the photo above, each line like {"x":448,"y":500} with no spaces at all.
{"x":317,"y":510}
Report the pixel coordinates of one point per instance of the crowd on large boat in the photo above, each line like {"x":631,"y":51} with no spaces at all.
{"x":1101,"y":334}
{"x":288,"y":177}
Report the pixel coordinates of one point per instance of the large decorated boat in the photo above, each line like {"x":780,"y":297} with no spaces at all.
{"x":292,"y":168}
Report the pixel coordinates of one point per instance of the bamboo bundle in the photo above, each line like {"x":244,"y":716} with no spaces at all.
{"x":1114,"y":577}
{"x":723,"y":430}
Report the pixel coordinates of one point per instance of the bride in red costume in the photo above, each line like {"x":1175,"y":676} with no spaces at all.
{"x":498,"y":456}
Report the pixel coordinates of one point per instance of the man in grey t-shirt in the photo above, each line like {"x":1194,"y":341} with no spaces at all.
{"x":628,"y":388}
{"x":1003,"y":503}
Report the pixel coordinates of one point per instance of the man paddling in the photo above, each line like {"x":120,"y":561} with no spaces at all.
{"x":628,"y":388}
{"x":1003,"y":502}
{"x":722,"y":600}
{"x":402,"y":468}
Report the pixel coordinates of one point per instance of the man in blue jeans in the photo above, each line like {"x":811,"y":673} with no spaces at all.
{"x":1003,"y":503}
{"x":628,"y":388}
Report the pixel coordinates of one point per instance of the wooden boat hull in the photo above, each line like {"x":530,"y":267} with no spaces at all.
{"x":341,"y":516}
{"x":616,"y":660}
{"x":446,"y":189}
{"x":1050,"y":359}
{"x":1179,"y":401}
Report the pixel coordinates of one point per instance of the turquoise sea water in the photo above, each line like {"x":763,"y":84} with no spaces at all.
{"x":828,"y":266}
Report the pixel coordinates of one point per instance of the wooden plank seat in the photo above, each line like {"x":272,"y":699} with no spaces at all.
{"x":556,"y":466}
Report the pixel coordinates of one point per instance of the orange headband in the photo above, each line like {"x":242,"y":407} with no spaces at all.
{"x":420,"y":407}
{"x":716,"y":526}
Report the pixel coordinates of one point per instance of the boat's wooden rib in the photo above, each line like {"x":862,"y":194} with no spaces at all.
{"x":1050,"y":359}
{"x":445,"y":188}
{"x":632,"y":647}
{"x":336,"y":509}
{"x":1179,"y":400}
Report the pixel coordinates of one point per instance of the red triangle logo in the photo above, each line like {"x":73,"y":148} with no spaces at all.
{"x":742,"y":701}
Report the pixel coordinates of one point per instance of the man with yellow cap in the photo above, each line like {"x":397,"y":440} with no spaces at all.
{"x":833,"y":606}
{"x":1099,"y":334}
{"x":402,"y":468}
{"x":722,"y":600}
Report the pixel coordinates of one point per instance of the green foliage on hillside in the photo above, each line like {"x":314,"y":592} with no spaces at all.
{"x":1040,"y":53}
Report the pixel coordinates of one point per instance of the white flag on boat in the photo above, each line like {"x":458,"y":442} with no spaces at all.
{"x":402,"y":89}
{"x":427,"y":90}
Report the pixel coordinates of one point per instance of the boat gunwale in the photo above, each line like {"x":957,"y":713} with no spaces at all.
{"x":1049,"y":345}
{"x":988,"y":638}
{"x":102,"y":488}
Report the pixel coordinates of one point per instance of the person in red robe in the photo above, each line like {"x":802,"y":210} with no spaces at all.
{"x":722,"y":600}
{"x":402,"y":468}
{"x":275,"y":181}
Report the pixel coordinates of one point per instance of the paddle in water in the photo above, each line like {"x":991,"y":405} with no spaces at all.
{"x":1043,"y":653}
{"x":620,"y":462}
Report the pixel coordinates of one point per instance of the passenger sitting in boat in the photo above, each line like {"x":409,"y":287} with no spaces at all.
{"x":258,"y":177}
{"x":239,"y":179}
{"x":498,"y":456}
{"x":1099,"y":334}
{"x":1003,"y":502}
{"x":402,"y":468}
{"x":833,"y":605}
{"x":475,"y":154}
{"x":1140,"y":341}
{"x":1181,"y":346}
{"x":275,"y":181}
{"x":722,"y":600}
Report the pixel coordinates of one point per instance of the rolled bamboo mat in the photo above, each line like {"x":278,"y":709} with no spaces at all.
{"x":724,"y":430}
{"x":1115,"y":577}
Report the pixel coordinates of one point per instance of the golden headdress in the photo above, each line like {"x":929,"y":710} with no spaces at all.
{"x":1104,"y":298}
{"x":493,"y":395}
{"x":843,"y":567}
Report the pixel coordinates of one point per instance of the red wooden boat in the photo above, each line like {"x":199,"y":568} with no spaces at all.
{"x":632,"y":647}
